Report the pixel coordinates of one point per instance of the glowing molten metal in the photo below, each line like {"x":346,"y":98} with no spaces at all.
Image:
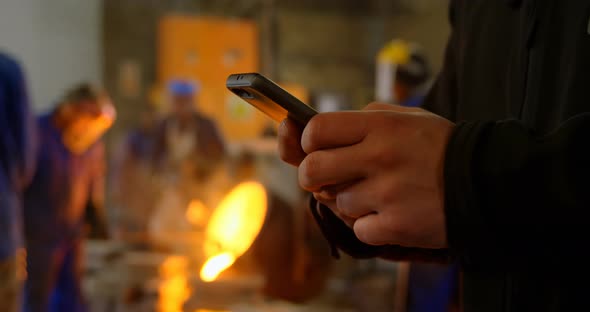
{"x":233,"y":227}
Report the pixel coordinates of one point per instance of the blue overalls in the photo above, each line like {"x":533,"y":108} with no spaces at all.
{"x":16,"y":153}
{"x":17,"y":156}
{"x":54,"y":207}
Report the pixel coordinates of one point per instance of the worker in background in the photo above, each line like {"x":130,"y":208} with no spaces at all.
{"x":16,"y":169}
{"x":189,"y":157}
{"x":187,"y":140}
{"x":411,"y":79}
{"x":134,"y":188}
{"x":68,"y":183}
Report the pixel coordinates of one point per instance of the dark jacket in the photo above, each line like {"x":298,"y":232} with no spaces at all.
{"x":516,"y":78}
{"x":16,"y":153}
{"x":516,"y":208}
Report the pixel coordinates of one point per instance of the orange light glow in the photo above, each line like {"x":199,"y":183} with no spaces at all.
{"x":233,"y":227}
{"x":215,"y":265}
{"x":173,"y":290}
{"x":196,"y":213}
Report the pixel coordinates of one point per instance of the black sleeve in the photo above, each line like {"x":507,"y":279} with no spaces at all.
{"x":516,"y":198}
{"x":442,"y":98}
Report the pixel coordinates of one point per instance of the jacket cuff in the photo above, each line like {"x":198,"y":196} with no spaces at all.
{"x":466,"y":230}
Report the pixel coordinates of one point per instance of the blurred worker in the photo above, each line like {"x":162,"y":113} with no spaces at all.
{"x":67,"y":184}
{"x":411,"y":78}
{"x":189,"y":154}
{"x":16,"y":168}
{"x":134,"y":187}
{"x":430,"y":286}
{"x":187,"y":140}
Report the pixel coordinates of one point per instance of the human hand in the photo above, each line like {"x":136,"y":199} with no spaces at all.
{"x":380,"y":170}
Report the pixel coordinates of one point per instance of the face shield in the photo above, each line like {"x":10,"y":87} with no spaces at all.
{"x":402,"y":73}
{"x":389,"y":58}
{"x":86,"y":128}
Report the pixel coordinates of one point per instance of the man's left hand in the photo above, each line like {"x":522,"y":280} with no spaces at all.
{"x":381,"y":171}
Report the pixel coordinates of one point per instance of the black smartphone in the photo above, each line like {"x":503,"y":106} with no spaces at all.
{"x":269,"y":98}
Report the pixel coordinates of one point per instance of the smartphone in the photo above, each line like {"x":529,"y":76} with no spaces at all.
{"x":269,"y":98}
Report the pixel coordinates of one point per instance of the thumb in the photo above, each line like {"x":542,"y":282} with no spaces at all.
{"x":369,"y":230}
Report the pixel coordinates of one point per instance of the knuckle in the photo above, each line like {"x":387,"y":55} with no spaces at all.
{"x":311,"y":165}
{"x":385,"y":146}
{"x":382,"y":157}
{"x":311,"y":135}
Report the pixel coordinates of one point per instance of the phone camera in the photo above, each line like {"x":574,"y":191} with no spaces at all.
{"x":244,"y":94}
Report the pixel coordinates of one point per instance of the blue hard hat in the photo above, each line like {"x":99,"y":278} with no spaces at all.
{"x":183,"y":87}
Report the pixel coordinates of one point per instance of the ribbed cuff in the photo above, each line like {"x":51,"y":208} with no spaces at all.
{"x":465,"y":227}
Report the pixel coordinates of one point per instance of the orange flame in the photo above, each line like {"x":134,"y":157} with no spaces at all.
{"x":215,"y":265}
{"x":233,"y":227}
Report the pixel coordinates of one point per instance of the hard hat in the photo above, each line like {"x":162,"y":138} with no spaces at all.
{"x":395,"y":52}
{"x":400,"y":61}
{"x":183,"y":87}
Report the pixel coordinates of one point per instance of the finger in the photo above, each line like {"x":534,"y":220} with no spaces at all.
{"x":331,"y":167}
{"x":332,"y":130}
{"x":289,"y":135}
{"x":370,"y":230}
{"x":358,"y":200}
{"x":378,"y":106}
{"x":331,"y":191}
{"x":331,"y":203}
